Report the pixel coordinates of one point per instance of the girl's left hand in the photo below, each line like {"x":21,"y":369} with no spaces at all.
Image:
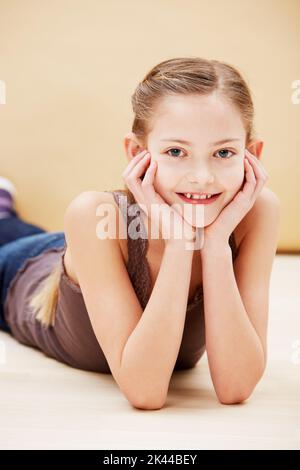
{"x":256,"y":176}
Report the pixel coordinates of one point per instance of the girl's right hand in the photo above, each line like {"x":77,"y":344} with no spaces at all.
{"x":147,"y":198}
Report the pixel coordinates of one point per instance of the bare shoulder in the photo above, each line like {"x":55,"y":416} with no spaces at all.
{"x":266,"y":198}
{"x":266,"y":205}
{"x":89,"y":199}
{"x":88,"y":202}
{"x":82,"y":209}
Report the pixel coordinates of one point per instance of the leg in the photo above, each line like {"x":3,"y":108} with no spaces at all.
{"x":19,"y":241}
{"x":12,"y":226}
{"x":13,"y":255}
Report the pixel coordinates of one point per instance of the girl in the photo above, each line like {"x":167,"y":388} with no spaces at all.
{"x":140,"y":307}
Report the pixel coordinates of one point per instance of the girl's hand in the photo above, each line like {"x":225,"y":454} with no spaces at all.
{"x":256,"y":176}
{"x":151,"y":203}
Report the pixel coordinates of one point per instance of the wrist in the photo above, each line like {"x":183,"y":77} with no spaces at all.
{"x":215,"y":247}
{"x":178,"y":244}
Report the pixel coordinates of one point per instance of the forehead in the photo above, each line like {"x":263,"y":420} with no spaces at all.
{"x":196,"y":117}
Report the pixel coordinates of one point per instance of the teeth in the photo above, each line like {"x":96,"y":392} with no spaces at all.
{"x":197,"y":196}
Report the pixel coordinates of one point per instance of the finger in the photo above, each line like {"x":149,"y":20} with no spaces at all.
{"x":259,"y":182}
{"x":254,"y":168}
{"x":249,"y":186}
{"x":147,"y":185}
{"x":133,"y":180}
{"x":257,"y":162}
{"x":133,"y":162}
{"x":148,"y":179}
{"x":137,"y":169}
{"x":259,"y":171}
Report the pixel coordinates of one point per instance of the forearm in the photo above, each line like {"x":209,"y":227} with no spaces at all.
{"x":150,"y":353}
{"x":234,"y":350}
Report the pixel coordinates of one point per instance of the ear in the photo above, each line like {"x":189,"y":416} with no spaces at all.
{"x":132,"y":145}
{"x":255,"y":147}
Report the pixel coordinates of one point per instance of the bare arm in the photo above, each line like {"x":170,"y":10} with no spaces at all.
{"x":236,"y":303}
{"x":234,"y":350}
{"x":151,"y":350}
{"x":141,"y":348}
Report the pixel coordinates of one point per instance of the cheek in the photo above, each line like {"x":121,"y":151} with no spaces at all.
{"x":235,"y":178}
{"x":164,"y":179}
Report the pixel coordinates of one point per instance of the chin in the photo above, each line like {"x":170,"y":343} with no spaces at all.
{"x":199,"y":218}
{"x":199,"y":225}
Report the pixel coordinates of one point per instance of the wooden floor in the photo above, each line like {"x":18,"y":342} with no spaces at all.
{"x":47,"y":405}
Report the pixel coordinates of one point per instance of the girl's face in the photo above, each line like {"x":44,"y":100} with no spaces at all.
{"x":211,"y":158}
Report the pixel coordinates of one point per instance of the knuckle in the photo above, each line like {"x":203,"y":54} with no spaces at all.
{"x":130,"y":179}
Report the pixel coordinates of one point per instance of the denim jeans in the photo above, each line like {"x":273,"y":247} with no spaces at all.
{"x":19,"y":241}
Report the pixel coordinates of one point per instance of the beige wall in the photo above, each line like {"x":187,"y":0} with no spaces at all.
{"x":70,"y":67}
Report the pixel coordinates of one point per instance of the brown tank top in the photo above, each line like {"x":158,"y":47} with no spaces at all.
{"x":72,"y":340}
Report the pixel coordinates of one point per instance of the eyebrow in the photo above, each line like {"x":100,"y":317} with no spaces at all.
{"x":223,"y":141}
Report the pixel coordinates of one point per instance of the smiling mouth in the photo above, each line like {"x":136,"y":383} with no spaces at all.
{"x":206,"y":200}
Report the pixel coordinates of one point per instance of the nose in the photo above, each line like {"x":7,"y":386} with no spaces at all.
{"x":201,"y":176}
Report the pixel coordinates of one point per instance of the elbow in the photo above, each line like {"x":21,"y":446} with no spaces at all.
{"x":152,"y":403}
{"x":142,"y":392}
{"x":152,"y":399}
{"x":238,"y":396}
{"x":148,"y":404}
{"x":231,"y":397}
